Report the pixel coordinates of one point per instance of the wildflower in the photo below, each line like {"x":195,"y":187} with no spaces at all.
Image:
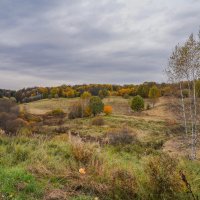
{"x":82,"y":171}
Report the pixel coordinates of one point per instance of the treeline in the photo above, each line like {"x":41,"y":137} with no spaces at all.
{"x":67,"y":91}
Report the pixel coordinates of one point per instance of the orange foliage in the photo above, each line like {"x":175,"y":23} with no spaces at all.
{"x":107,"y":110}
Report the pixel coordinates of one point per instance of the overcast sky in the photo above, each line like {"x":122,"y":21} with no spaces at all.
{"x":52,"y":42}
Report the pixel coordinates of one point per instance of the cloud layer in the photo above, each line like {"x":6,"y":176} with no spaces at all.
{"x":51,"y":42}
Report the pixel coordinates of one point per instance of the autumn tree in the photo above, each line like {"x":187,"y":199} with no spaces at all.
{"x":143,"y":90}
{"x":107,"y":110}
{"x":96,"y":105}
{"x":54,"y":92}
{"x":103,"y":93}
{"x":86,"y":95}
{"x":184,"y":67}
{"x":85,"y":99}
{"x":154,"y":94}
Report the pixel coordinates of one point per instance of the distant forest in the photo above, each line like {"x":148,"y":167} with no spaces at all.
{"x":66,"y":91}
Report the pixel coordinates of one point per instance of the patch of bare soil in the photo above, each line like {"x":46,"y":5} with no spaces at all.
{"x":56,"y":195}
{"x":179,"y":146}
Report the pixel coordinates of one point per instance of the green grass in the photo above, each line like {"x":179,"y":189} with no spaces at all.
{"x":39,"y":164}
{"x":18,"y":184}
{"x":48,"y":160}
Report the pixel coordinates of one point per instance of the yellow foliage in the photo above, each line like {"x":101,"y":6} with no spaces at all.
{"x":87,"y":111}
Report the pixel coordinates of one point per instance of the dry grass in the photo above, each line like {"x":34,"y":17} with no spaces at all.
{"x":46,"y":105}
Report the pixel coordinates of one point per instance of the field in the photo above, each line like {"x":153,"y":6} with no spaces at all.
{"x":75,"y":161}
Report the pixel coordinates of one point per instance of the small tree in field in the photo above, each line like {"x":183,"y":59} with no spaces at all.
{"x":184,"y":70}
{"x":137,"y":103}
{"x":154,"y":94}
{"x":86,"y":95}
{"x":96,"y":105}
{"x":85,"y":99}
{"x":107,"y":110}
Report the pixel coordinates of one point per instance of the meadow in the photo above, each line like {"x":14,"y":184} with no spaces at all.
{"x":84,"y":159}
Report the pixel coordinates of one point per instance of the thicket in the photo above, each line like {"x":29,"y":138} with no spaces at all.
{"x":9,"y":117}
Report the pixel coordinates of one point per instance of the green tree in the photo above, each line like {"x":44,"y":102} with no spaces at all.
{"x":143,"y":90}
{"x":137,"y":103}
{"x":103,"y":93}
{"x":96,"y":105}
{"x":154,"y":94}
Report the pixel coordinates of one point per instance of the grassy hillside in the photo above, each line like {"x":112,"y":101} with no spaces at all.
{"x":75,"y":160}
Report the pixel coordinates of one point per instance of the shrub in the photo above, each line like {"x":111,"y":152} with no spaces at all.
{"x":13,"y":126}
{"x":120,"y":136}
{"x":107,"y":110}
{"x":166,"y":91}
{"x":80,"y":109}
{"x":82,"y":153}
{"x":75,"y":111}
{"x":164,"y":179}
{"x":13,"y":99}
{"x":57,"y":112}
{"x":123,"y":185}
{"x":96,"y":105}
{"x":137,"y":103}
{"x":87,"y":111}
{"x":9,"y":120}
{"x":126,"y":96}
{"x":148,"y":106}
{"x":154,"y":94}
{"x":24,"y":131}
{"x":103,"y":93}
{"x":98,"y":121}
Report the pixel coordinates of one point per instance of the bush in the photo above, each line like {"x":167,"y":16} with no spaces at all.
{"x":13,"y":99}
{"x":9,"y":117}
{"x":75,"y":111}
{"x":126,"y":96}
{"x":148,"y":106}
{"x":164,"y":179}
{"x":137,"y":103}
{"x":13,"y":126}
{"x":98,"y":121}
{"x":82,"y":152}
{"x":57,"y":112}
{"x":121,"y":136}
{"x":107,"y":110}
{"x":79,"y":110}
{"x":96,"y":105}
{"x":123,"y":185}
{"x":103,"y":93}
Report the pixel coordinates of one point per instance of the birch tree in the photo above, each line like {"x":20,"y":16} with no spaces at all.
{"x":184,"y":67}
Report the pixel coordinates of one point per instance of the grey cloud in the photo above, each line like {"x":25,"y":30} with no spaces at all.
{"x":46,"y":42}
